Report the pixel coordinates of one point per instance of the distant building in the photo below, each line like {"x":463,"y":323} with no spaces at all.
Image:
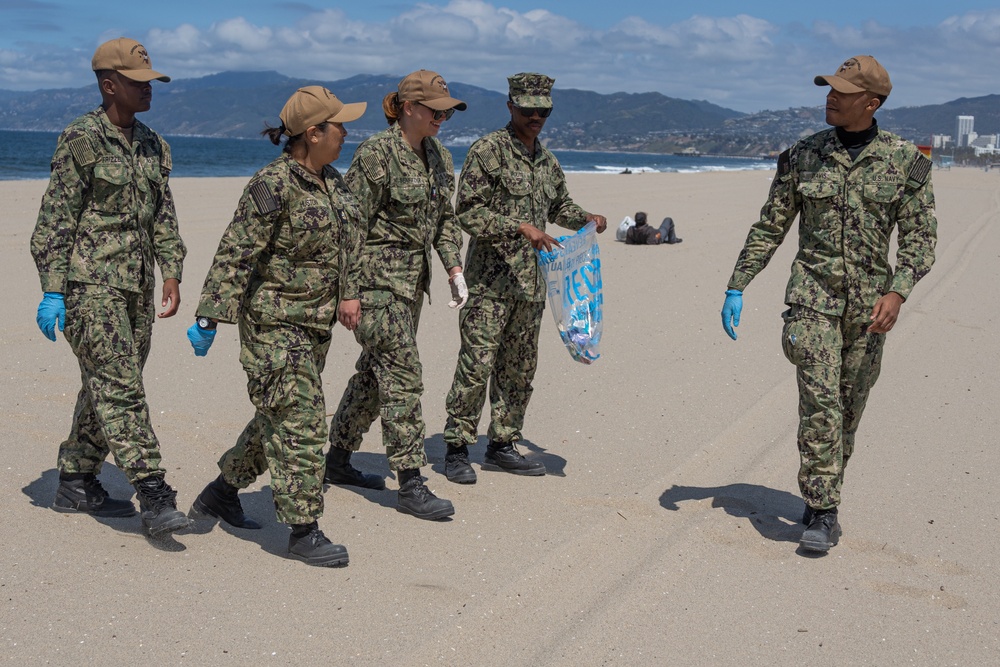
{"x":941,"y":140}
{"x":987,"y":144}
{"x":963,"y":128}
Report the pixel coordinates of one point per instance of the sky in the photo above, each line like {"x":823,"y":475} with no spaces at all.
{"x":747,"y":56}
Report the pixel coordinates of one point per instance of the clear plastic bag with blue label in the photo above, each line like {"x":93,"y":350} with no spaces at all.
{"x":573,"y":276}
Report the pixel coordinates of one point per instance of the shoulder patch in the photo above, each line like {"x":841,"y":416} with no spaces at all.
{"x":920,"y":169}
{"x":374,"y":169}
{"x":263,"y":198}
{"x":784,"y":163}
{"x":166,"y":161}
{"x":490,"y":159}
{"x":82,"y":152}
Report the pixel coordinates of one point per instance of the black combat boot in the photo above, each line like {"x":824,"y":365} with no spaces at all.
{"x":504,"y":456}
{"x":340,"y":471}
{"x":220,"y":500}
{"x":823,"y":531}
{"x":416,"y":499}
{"x":158,"y":503}
{"x":456,"y":466}
{"x":308,"y":544}
{"x":82,"y":492}
{"x":807,"y":515}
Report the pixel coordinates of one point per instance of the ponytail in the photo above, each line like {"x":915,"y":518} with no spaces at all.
{"x":391,"y":107}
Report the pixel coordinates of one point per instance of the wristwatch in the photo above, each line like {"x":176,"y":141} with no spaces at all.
{"x":206,"y":323}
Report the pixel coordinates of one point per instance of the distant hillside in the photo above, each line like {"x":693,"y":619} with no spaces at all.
{"x":238,"y":104}
{"x":940,"y":118}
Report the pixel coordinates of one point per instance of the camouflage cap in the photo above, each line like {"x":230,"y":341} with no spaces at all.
{"x":313,"y":105}
{"x":530,"y":90}
{"x":430,"y":89}
{"x":856,"y":75}
{"x":127,"y":57}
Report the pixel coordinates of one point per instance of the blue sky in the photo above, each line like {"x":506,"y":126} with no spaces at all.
{"x":747,"y":56}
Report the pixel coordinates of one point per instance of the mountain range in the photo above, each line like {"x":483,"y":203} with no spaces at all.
{"x":238,"y":104}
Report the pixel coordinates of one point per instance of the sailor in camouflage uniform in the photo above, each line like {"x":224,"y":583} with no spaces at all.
{"x":106,"y":219}
{"x":404,"y":179}
{"x":510,"y":189}
{"x":850,"y":186}
{"x":280,"y":272}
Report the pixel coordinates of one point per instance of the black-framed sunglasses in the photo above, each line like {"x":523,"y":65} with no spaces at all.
{"x":438,"y":115}
{"x":528,"y":112}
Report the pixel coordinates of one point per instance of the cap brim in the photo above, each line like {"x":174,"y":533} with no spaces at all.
{"x":144,"y":75}
{"x":445,"y":103}
{"x":350,"y":112}
{"x":838,"y":84}
{"x":532,"y":101}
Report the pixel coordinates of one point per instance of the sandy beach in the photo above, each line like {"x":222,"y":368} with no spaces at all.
{"x":665,"y":533}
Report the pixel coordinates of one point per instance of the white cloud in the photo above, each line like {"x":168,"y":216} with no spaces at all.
{"x":239,"y":33}
{"x":743,"y":61}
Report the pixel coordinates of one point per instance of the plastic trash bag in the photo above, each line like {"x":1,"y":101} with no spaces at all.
{"x":623,"y":228}
{"x":573,"y":277}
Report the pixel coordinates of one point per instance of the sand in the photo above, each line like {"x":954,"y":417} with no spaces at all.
{"x":665,"y":534}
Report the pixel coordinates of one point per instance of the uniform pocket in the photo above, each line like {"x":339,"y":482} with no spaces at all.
{"x":808,"y":338}
{"x":818,"y":189}
{"x":309,"y":228}
{"x":264,"y":366}
{"x":111,"y":187}
{"x":517,"y":183}
{"x":408,"y":192}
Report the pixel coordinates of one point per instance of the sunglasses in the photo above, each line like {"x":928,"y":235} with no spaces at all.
{"x":528,"y":112}
{"x":438,"y":115}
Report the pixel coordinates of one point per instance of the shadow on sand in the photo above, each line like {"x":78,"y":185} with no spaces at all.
{"x":776,"y":515}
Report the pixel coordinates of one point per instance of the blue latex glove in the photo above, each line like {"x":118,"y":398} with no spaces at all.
{"x":731,"y":310}
{"x":201,"y":339}
{"x":52,"y":309}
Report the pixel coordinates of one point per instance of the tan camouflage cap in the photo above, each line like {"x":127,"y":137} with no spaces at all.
{"x":430,"y":89}
{"x":856,"y":75}
{"x":313,"y":105}
{"x":530,"y":90}
{"x":128,"y":57}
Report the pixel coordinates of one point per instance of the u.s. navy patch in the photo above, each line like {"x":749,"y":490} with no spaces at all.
{"x":920,"y":169}
{"x":82,"y":152}
{"x":263,"y":198}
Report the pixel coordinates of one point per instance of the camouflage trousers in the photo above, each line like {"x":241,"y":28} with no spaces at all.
{"x":288,"y":431}
{"x":110,"y":332}
{"x":388,"y":382}
{"x":499,"y":345}
{"x":837,"y":363}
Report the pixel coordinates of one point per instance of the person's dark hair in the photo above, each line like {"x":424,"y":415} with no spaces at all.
{"x":640,"y":218}
{"x":102,"y":74}
{"x":881,"y":100}
{"x":275,"y":134}
{"x":391,"y":107}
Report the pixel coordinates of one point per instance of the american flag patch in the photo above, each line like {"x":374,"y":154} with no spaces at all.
{"x":373,"y":168}
{"x":491,"y":163}
{"x":919,"y":170}
{"x":263,"y":199}
{"x":82,"y":152}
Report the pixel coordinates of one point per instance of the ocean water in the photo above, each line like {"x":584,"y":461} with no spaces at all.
{"x":26,"y":155}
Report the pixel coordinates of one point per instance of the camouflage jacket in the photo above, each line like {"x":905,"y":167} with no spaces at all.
{"x":848,"y":212}
{"x":107,"y":214}
{"x":285,"y":254}
{"x":502,"y":186}
{"x":406,"y":212}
